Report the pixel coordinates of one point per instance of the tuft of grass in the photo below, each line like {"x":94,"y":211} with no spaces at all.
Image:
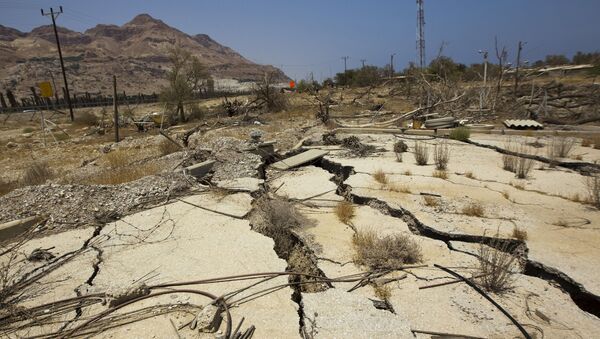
{"x":496,"y":266}
{"x":27,"y":130}
{"x":587,"y":142}
{"x":431,"y":201}
{"x":519,"y":234}
{"x":383,"y":292}
{"x":578,"y":157}
{"x":389,"y":252}
{"x":421,"y":153}
{"x":344,"y":211}
{"x":506,"y":195}
{"x":460,"y":134}
{"x":474,"y":209}
{"x":408,"y":173}
{"x":440,"y":174}
{"x":399,"y":148}
{"x":592,"y":184}
{"x":524,"y":166}
{"x":380,"y":177}
{"x":470,"y":175}
{"x":37,"y":173}
{"x":441,"y":156}
{"x":166,"y":147}
{"x":560,"y":147}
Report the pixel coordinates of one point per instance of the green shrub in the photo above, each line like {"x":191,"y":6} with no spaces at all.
{"x":460,"y":134}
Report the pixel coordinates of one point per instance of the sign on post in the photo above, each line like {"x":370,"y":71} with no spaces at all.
{"x":46,"y":89}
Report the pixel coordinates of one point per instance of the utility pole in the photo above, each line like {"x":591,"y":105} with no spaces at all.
{"x":55,"y":15}
{"x":392,"y":65}
{"x":345,"y":59}
{"x":421,"y":33}
{"x":521,"y":44}
{"x":116,"y":108}
{"x":363,"y":62}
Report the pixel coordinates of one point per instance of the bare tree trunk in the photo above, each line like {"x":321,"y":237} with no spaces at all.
{"x":180,"y":111}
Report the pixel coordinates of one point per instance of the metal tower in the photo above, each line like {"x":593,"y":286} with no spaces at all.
{"x":421,"y":33}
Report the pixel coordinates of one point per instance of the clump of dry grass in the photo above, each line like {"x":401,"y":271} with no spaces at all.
{"x":421,"y":153}
{"x":440,"y":174}
{"x":37,"y":173}
{"x":344,"y":211}
{"x":380,"y":177}
{"x":389,"y":252}
{"x":441,"y":156}
{"x":586,"y":142}
{"x":275,"y":219}
{"x":521,"y":166}
{"x":431,"y":201}
{"x":399,"y":148}
{"x":506,"y":195}
{"x":407,"y":172}
{"x":560,"y":147}
{"x":592,"y":184}
{"x":470,"y":175}
{"x":496,"y":266}
{"x":474,"y":209}
{"x":519,"y":234}
{"x":524,"y":166}
{"x":517,"y":185}
{"x":383,"y":292}
{"x":166,"y":147}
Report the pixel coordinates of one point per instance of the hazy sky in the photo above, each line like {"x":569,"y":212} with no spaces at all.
{"x":311,"y":35}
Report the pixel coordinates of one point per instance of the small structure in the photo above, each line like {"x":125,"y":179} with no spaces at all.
{"x":522,"y":124}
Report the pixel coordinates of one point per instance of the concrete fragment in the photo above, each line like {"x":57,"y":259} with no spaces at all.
{"x":13,"y":228}
{"x":199,"y":170}
{"x":299,"y":159}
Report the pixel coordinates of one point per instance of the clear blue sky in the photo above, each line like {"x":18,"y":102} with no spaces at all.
{"x":311,"y":35}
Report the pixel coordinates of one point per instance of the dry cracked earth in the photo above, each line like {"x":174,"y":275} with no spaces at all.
{"x":198,"y":254}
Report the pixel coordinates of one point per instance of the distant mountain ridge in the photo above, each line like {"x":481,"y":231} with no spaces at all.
{"x":136,"y":52}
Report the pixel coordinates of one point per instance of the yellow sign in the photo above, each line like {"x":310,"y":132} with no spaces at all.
{"x":46,"y":89}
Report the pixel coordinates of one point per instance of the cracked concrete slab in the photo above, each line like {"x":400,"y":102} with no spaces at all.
{"x":189,"y":243}
{"x":338,"y":314}
{"x":310,"y":184}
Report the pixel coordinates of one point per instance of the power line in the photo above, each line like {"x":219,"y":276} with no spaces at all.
{"x":55,"y":15}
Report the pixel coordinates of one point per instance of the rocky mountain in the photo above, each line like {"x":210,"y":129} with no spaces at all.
{"x":136,"y":52}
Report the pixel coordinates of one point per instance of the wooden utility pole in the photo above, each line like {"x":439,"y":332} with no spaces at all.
{"x":392,"y":65}
{"x":55,"y":15}
{"x":345,"y":58}
{"x":518,"y":64}
{"x":116,"y":108}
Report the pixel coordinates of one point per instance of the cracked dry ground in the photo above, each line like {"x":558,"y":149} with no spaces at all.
{"x":554,"y":296}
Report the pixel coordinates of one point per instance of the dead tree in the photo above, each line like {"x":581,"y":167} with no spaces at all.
{"x":501,"y":56}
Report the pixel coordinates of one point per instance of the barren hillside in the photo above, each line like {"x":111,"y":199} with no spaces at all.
{"x":136,"y":52}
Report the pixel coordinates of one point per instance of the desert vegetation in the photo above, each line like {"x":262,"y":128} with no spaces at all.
{"x":421,"y":153}
{"x":389,"y":252}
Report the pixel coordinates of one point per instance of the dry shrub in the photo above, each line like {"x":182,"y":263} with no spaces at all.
{"x":592,"y":184}
{"x":399,"y":148}
{"x":441,"y":156}
{"x":474,"y":209}
{"x":586,"y":142}
{"x":496,"y":266}
{"x":506,"y":195}
{"x":519,"y":234}
{"x":560,"y":147}
{"x":120,"y":175}
{"x":519,"y":165}
{"x":470,"y":175}
{"x":380,"y":177}
{"x":356,"y":147}
{"x":440,"y":174}
{"x":524,"y":166}
{"x":389,"y":252}
{"x":37,"y":173}
{"x":166,"y":147}
{"x":344,"y":211}
{"x":275,"y":218}
{"x":118,"y":158}
{"x":431,"y":201}
{"x":509,"y":163}
{"x":578,"y":157}
{"x":421,"y":153}
{"x":407,"y":172}
{"x":86,"y":118}
{"x":383,"y":292}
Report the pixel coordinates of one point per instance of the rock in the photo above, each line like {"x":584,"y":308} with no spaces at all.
{"x":11,"y":144}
